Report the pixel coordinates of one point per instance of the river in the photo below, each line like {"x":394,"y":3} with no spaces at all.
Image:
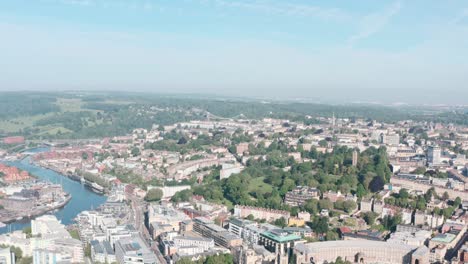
{"x":82,"y":198}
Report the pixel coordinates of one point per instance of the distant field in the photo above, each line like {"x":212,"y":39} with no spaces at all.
{"x":16,"y":124}
{"x":52,"y":130}
{"x":69,"y":105}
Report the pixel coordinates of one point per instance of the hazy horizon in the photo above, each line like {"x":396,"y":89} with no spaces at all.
{"x":333,"y":52}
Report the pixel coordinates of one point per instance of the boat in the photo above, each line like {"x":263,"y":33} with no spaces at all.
{"x":97,"y":188}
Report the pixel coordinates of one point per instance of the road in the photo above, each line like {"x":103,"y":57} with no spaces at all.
{"x":138,"y":208}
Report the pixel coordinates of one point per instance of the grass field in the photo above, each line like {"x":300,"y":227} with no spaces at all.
{"x":15,"y":124}
{"x":69,"y":105}
{"x":259,"y":184}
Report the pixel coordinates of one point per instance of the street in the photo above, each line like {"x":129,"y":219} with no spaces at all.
{"x":138,"y":207}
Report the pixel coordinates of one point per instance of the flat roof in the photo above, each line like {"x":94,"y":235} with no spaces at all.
{"x":444,"y":238}
{"x":280,"y":237}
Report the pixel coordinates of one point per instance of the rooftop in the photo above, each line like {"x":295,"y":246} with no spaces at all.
{"x":280,"y":236}
{"x":444,"y":238}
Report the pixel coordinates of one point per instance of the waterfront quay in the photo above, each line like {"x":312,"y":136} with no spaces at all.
{"x":65,"y":206}
{"x":30,"y":199}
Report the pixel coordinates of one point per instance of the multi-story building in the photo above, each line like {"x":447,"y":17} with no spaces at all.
{"x":300,"y":195}
{"x":433,"y":155}
{"x":229,"y":169}
{"x":51,"y":256}
{"x":238,"y":226}
{"x":279,"y":242}
{"x":187,"y":245}
{"x":7,"y":256}
{"x":366,"y":205}
{"x":166,"y":215}
{"x":134,"y":251}
{"x":260,"y":213}
{"x":102,"y":252}
{"x":253,"y":254}
{"x":391,"y":139}
{"x":249,"y":231}
{"x":241,"y":148}
{"x":221,"y":236}
{"x":361,"y":251}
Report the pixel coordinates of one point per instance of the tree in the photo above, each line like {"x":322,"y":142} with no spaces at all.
{"x":281,"y":222}
{"x":445,"y":196}
{"x":431,"y":193}
{"x":349,"y":206}
{"x":391,"y":222}
{"x":457,"y":202}
{"x":420,"y":170}
{"x":421,"y":203}
{"x":403,"y":193}
{"x":320,"y":225}
{"x":182,"y":196}
{"x":182,"y":141}
{"x":135,"y":152}
{"x":332,"y":235}
{"x":325,"y":204}
{"x":28,"y":231}
{"x":448,"y":212}
{"x":26,"y":260}
{"x":323,"y":143}
{"x":154,"y":195}
{"x":311,"y":206}
{"x":18,"y":253}
{"x":370,"y":217}
{"x":361,"y":191}
{"x":376,"y":184}
{"x":340,"y":260}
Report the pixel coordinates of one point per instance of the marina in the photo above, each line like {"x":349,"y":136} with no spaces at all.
{"x":80,"y":198}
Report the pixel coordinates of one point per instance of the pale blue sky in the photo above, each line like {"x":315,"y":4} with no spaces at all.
{"x":346,"y":51}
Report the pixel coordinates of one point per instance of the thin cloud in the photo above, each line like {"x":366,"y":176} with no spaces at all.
{"x":375,"y":22}
{"x":281,"y":8}
{"x":460,"y":17}
{"x":146,"y":5}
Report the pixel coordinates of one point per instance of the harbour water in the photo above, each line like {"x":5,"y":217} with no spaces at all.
{"x":82,"y":198}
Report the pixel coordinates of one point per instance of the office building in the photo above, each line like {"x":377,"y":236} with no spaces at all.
{"x":134,"y":251}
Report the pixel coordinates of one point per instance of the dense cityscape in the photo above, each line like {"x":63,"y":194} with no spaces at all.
{"x":233,"y":132}
{"x":213,"y":189}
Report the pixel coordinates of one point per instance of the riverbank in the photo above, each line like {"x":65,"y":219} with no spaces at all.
{"x":17,"y":216}
{"x":93,"y":186}
{"x":81,"y":197}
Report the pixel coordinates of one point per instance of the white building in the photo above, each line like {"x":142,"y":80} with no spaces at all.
{"x":134,"y":251}
{"x":433,"y":155}
{"x":6,"y":256}
{"x":102,"y":252}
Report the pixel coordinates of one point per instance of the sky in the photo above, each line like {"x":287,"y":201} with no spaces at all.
{"x":326,"y":51}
